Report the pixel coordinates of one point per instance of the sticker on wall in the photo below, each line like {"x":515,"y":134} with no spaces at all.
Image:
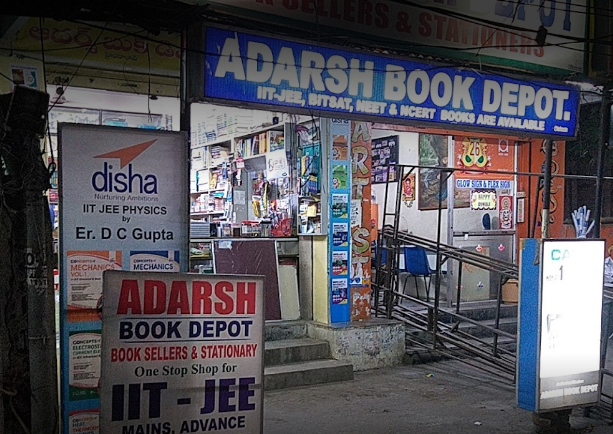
{"x":408,"y":189}
{"x":521,"y":209}
{"x":505,"y":212}
{"x":356,"y":212}
{"x":474,"y":154}
{"x":85,"y":270}
{"x":359,"y":271}
{"x":83,"y":422}
{"x":339,"y":263}
{"x":360,"y":303}
{"x":340,"y":234}
{"x":24,"y":76}
{"x":483,"y":200}
{"x":340,"y":173}
{"x":165,"y":261}
{"x":339,"y":291}
{"x":84,"y":369}
{"x":339,"y":147}
{"x":340,"y":205}
{"x":384,"y":159}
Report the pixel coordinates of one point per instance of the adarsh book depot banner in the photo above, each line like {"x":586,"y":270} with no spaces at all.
{"x":268,"y":72}
{"x":123,"y":206}
{"x":182,"y":353}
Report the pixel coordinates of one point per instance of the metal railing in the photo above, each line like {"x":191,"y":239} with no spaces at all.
{"x":430,"y":326}
{"x":433,"y":326}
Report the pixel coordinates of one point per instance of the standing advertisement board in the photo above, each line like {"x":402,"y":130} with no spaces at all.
{"x":123,"y":206}
{"x":560,"y":310}
{"x":182,"y":353}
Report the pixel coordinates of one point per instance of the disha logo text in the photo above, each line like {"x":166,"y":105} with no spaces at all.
{"x":126,"y":181}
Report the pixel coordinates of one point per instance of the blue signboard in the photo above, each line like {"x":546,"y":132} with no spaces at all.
{"x":273,"y":72}
{"x":339,"y":186}
{"x":560,"y":310}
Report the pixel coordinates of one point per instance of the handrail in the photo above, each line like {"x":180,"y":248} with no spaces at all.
{"x":507,"y":269}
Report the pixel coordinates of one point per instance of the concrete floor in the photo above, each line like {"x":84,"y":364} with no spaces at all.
{"x":438,"y":398}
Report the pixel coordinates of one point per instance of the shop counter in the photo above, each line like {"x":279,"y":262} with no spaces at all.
{"x":479,"y":284}
{"x":274,"y":258}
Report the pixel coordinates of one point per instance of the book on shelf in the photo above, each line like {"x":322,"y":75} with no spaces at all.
{"x":263,"y":142}
{"x":276,"y":141}
{"x":255,"y":145}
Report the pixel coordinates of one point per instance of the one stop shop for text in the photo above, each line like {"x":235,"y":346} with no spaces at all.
{"x":182,"y":371}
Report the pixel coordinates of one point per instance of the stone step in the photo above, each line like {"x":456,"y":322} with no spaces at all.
{"x":294,"y":351}
{"x":280,"y":330}
{"x":306,"y":373}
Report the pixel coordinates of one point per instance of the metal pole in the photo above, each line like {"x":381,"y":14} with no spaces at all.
{"x":603,"y":143}
{"x":185,"y":115}
{"x":529,"y":195}
{"x":497,"y":319}
{"x":536,"y":207}
{"x":459,"y":290}
{"x":437,"y":288}
{"x":450,"y":221}
{"x":546,"y":189}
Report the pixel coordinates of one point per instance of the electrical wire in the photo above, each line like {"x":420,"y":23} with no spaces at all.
{"x":492,"y":24}
{"x":52,"y":164}
{"x":7,"y":77}
{"x":406,"y":46}
{"x":318,"y":32}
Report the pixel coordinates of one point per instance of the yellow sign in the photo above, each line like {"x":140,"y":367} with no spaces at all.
{"x":72,"y":43}
{"x":474,"y":153}
{"x":483,"y":199}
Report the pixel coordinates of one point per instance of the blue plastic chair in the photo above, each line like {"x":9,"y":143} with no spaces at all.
{"x":417,"y":265}
{"x":383,"y":255}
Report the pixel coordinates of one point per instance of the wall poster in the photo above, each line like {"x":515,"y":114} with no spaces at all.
{"x":408,"y":188}
{"x":433,"y":152}
{"x":477,"y":156}
{"x":384,"y":159}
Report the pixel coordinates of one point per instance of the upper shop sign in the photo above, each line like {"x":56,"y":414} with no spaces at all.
{"x":499,"y":32}
{"x":267,"y":71}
